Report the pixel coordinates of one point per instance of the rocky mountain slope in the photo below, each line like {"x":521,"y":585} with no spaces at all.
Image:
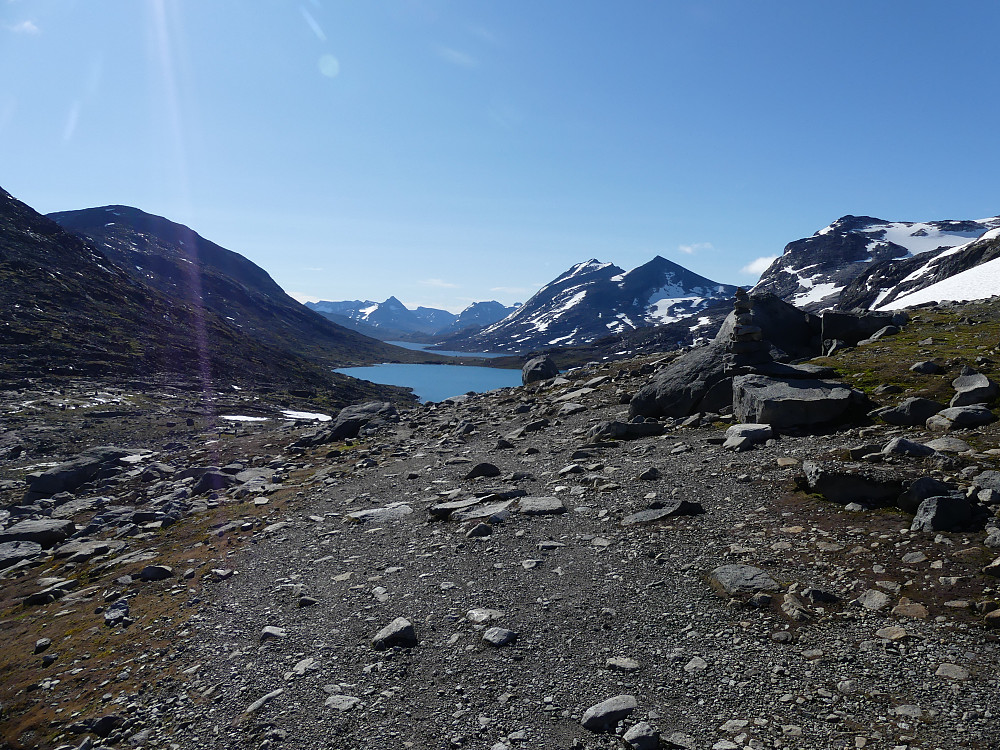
{"x":68,"y":311}
{"x":497,"y":572}
{"x":186,"y":267}
{"x":864,"y":255}
{"x":592,"y":300}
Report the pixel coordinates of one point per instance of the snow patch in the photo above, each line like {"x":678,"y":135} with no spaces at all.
{"x":979,"y":282}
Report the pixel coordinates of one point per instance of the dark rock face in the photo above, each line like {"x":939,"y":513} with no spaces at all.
{"x":539,"y":368}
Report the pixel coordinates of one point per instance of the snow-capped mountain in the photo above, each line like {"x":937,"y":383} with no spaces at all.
{"x":392,"y":320}
{"x":812,"y":273}
{"x":965,"y":272}
{"x":592,"y":300}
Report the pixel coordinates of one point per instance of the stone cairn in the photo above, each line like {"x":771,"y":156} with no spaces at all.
{"x":746,"y":345}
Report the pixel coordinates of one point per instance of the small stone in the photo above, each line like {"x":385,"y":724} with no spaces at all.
{"x":156,"y":573}
{"x":697,"y":664}
{"x":499,"y":637}
{"x":399,"y":633}
{"x":479,"y":531}
{"x":642,"y":736}
{"x":622,"y":664}
{"x":41,"y":644}
{"x":873,"y":600}
{"x":271,"y":632}
{"x":342,"y":702}
{"x":892,"y":633}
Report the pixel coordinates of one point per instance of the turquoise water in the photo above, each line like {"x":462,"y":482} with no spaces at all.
{"x":426,"y":348}
{"x":437,"y":382}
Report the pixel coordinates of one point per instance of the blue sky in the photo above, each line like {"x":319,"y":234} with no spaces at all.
{"x":452,"y":151}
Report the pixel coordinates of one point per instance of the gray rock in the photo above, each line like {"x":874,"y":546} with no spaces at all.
{"x":615,"y":430}
{"x":879,"y":334}
{"x":541,"y":506}
{"x":987,"y":480}
{"x":873,"y":600}
{"x":272,"y":632}
{"x":973,"y":389}
{"x":902,"y":447}
{"x":71,"y":474}
{"x":156,"y":573}
{"x":116,"y":613}
{"x":948,"y":445}
{"x":483,"y":470}
{"x":539,"y":368}
{"x":957,"y":417}
{"x":47,"y":532}
{"x":398,"y":633}
{"x":927,"y":367}
{"x":852,"y":328}
{"x":944,"y":513}
{"x":213,"y":481}
{"x":342,"y":702}
{"x":12,"y":553}
{"x":851,"y":484}
{"x":758,"y":433}
{"x":479,"y":531}
{"x":791,"y":403}
{"x":604,"y":716}
{"x":499,"y":637}
{"x":642,"y":736}
{"x":910,"y":413}
{"x":668,"y":510}
{"x":919,"y":490}
{"x":743,"y":579}
{"x":391,"y":512}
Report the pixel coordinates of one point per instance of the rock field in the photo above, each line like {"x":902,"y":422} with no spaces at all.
{"x":520,"y":569}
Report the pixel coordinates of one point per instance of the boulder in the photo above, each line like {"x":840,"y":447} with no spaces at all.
{"x":67,"y":476}
{"x":538,"y":368}
{"x":680,"y":389}
{"x":927,"y":367}
{"x":958,"y":417}
{"x":11,"y":553}
{"x":900,"y":446}
{"x":944,"y":513}
{"x":603,"y":716}
{"x":793,"y":403}
{"x":541,"y":506}
{"x":743,"y":579}
{"x":614,"y":430}
{"x":910,"y":413}
{"x":987,"y":480}
{"x":919,"y":490}
{"x":973,"y":389}
{"x":398,"y":633}
{"x":351,"y":419}
{"x":668,"y":510}
{"x":47,"y":532}
{"x":851,"y":483}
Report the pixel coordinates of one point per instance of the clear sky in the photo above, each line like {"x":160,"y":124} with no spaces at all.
{"x":447,"y":151}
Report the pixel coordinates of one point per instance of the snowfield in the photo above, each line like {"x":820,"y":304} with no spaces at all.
{"x":976,"y":283}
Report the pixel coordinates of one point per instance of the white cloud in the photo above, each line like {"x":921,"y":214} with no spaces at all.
{"x":455,"y":57}
{"x":758,"y":266}
{"x":438,"y":283}
{"x":25,"y":27}
{"x":694,"y":247}
{"x":303,"y":297}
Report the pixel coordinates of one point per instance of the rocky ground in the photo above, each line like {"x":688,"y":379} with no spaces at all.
{"x":486,"y":573}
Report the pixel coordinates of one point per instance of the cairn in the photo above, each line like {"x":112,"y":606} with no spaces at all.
{"x":746,"y":346}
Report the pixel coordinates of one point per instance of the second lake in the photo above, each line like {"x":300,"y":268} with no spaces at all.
{"x":437,"y":382}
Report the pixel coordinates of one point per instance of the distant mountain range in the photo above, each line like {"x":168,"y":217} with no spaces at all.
{"x":393,"y":321}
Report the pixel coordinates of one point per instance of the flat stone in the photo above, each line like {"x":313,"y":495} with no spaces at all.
{"x":483,"y":469}
{"x":743,"y":579}
{"x":391,"y":512}
{"x":958,"y":417}
{"x":892,"y":633}
{"x":622,"y":664}
{"x":499,"y":637}
{"x":874,"y":600}
{"x":156,"y":573}
{"x":12,"y":553}
{"x":47,"y":532}
{"x":342,"y":702}
{"x":952,"y":672}
{"x":670,"y":510}
{"x":541,"y":506}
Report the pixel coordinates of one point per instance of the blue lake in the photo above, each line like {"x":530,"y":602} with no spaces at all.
{"x":437,"y":382}
{"x":426,"y":348}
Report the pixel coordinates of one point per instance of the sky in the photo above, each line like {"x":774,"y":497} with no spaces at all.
{"x":451,"y":151}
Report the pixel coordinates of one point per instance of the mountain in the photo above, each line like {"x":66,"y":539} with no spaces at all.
{"x":68,"y":311}
{"x":812,"y":273}
{"x":479,"y":315}
{"x":178,"y":262}
{"x":592,"y":300}
{"x":389,"y":321}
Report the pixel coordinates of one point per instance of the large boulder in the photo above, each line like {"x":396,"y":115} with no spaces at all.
{"x":973,"y":389}
{"x":793,"y":403}
{"x":349,"y":423}
{"x":67,"y":476}
{"x":539,"y":368}
{"x":910,"y":413}
{"x":48,"y":532}
{"x":695,"y":381}
{"x":958,"y":417}
{"x":851,"y":483}
{"x":944,"y":513}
